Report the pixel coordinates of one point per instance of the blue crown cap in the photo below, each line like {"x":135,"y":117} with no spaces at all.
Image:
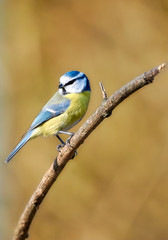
{"x":72,"y":74}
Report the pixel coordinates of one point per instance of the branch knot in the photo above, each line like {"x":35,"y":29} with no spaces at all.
{"x":148,"y":77}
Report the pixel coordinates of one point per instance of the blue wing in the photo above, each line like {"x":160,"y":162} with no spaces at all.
{"x":48,"y":112}
{"x":45,"y":114}
{"x":56,"y":106}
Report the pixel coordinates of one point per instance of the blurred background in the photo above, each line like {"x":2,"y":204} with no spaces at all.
{"x":116,"y":187}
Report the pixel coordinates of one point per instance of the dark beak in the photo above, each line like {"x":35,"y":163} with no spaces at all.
{"x":60,"y":85}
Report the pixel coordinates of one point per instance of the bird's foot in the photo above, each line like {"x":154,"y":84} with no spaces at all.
{"x":67,"y":143}
{"x":60,"y":146}
{"x":75,"y":154}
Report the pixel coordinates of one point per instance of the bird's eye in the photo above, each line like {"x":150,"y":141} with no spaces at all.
{"x":70,"y":82}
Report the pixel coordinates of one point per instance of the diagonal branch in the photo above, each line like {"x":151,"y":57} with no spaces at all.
{"x":104,"y":111}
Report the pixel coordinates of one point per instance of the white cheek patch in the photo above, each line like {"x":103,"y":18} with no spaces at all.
{"x":70,"y":89}
{"x":60,"y":91}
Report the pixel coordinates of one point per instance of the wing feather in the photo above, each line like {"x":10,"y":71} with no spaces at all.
{"x":51,"y":110}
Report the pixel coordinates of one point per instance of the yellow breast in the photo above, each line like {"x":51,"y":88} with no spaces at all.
{"x":74,"y":113}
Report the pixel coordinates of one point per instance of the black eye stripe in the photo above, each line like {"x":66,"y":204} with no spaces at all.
{"x":70,"y":82}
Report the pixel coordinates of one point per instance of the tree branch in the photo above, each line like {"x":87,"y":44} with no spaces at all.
{"x":105,"y":110}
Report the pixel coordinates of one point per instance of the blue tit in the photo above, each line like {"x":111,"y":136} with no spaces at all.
{"x":65,"y":109}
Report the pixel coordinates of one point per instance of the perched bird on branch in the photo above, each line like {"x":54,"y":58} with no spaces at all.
{"x":65,"y":109}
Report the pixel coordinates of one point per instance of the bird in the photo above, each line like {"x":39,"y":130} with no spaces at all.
{"x":64,"y":110}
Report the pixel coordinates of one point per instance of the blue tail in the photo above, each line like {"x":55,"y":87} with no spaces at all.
{"x":25,"y":139}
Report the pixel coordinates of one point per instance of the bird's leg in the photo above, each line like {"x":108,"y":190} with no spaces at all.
{"x":61,"y":145}
{"x":68,"y":140}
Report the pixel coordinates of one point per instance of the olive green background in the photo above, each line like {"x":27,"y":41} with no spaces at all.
{"x":116,"y":187}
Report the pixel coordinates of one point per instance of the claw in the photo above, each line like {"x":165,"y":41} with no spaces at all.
{"x":60,"y":146}
{"x":75,"y":154}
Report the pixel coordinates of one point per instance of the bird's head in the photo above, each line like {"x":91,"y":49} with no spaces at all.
{"x":73,"y":82}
